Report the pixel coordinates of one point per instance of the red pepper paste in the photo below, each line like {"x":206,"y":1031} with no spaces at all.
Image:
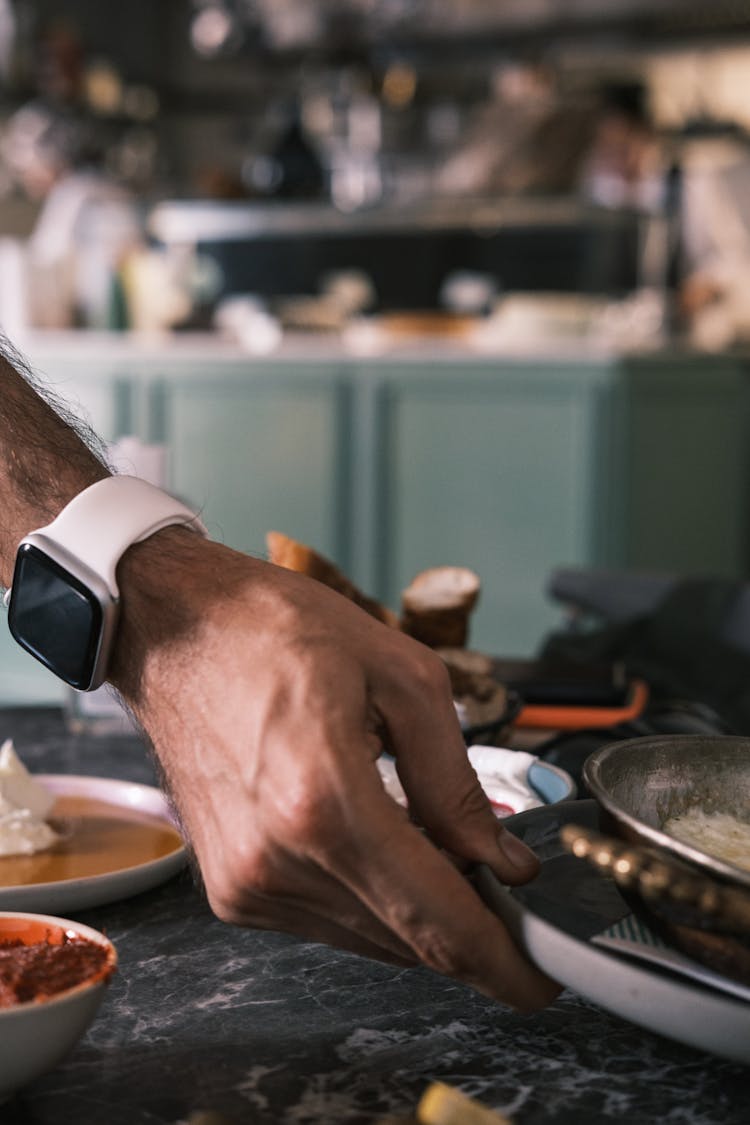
{"x":41,"y":969}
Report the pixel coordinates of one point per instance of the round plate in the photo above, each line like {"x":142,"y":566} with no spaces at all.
{"x":120,"y":882}
{"x":555,"y":917}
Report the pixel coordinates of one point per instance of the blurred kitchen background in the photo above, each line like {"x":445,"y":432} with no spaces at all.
{"x":414,"y":281}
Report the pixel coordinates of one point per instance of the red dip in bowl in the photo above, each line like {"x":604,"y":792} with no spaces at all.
{"x":38,"y":961}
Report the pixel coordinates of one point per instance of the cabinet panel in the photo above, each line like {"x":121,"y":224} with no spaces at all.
{"x":103,"y":401}
{"x":262,"y":451}
{"x":389,"y":466}
{"x":496,"y":470}
{"x":685,"y":440}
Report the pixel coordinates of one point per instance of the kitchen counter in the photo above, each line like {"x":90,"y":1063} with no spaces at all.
{"x":265,"y":1029}
{"x":172,"y":352}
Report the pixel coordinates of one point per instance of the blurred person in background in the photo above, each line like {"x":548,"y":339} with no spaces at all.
{"x":715,"y":235}
{"x":55,"y":149}
{"x":526,"y":139}
{"x":86,"y":220}
{"x":624,"y":166}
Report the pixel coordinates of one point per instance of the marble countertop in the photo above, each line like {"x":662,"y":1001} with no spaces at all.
{"x":265,"y":1029}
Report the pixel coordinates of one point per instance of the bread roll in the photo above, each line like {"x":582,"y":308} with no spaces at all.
{"x":293,"y":555}
{"x":436,"y":606}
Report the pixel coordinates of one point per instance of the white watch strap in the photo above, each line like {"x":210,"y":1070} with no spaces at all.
{"x":101,"y":522}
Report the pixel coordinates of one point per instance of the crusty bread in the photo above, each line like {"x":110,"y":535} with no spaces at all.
{"x":290,"y":553}
{"x":436,"y":606}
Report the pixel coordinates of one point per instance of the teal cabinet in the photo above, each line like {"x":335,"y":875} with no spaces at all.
{"x":390,"y":465}
{"x":495,"y":466}
{"x":515,"y":468}
{"x":683,"y":432}
{"x":102,"y":401}
{"x":261,"y":447}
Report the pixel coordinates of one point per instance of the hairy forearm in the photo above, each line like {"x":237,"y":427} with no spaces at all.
{"x":44,"y":460}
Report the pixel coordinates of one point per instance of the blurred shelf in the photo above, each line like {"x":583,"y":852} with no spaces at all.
{"x":207,"y":221}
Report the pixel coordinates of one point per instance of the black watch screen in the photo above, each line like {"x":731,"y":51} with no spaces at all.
{"x":55,"y":617}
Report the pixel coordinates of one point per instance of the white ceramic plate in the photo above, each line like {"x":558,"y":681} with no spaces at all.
{"x":561,"y":912}
{"x":120,"y":882}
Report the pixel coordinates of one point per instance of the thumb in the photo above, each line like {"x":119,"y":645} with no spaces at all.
{"x":448,"y":800}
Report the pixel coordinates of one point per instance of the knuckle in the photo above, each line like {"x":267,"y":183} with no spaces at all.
{"x":439,"y":953}
{"x":312,"y":819}
{"x":225,"y":906}
{"x":473,"y":808}
{"x":435,"y":946}
{"x":429,"y":673}
{"x":246,"y":871}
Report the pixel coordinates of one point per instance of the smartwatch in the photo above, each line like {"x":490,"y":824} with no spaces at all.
{"x":63,"y":605}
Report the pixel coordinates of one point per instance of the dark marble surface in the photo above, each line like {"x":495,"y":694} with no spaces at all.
{"x":266,"y":1029}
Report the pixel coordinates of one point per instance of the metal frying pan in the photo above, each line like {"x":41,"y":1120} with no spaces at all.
{"x":641,"y":783}
{"x":699,"y":901}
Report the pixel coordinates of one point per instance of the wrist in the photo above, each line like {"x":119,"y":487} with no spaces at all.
{"x":23,"y":515}
{"x":167,"y":586}
{"x":65,"y":604}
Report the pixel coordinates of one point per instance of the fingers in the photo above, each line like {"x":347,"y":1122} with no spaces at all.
{"x":395,"y":871}
{"x":417,"y":893}
{"x":297,"y":896}
{"x":442,"y":787}
{"x":291,"y":824}
{"x":386,"y":892}
{"x":291,"y":918}
{"x":353,"y":872}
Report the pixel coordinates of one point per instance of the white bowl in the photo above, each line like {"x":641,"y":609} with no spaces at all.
{"x":37,"y":1034}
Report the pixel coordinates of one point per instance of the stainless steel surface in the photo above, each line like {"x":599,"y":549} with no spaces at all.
{"x":642,"y":782}
{"x":639,"y":784}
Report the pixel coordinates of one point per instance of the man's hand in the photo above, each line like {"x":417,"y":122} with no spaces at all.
{"x":268,"y":699}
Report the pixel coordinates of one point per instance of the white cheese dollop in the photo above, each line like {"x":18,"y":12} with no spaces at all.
{"x":503,"y":775}
{"x":24,"y":804}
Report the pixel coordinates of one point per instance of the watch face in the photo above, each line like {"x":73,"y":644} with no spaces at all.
{"x":55,"y":616}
